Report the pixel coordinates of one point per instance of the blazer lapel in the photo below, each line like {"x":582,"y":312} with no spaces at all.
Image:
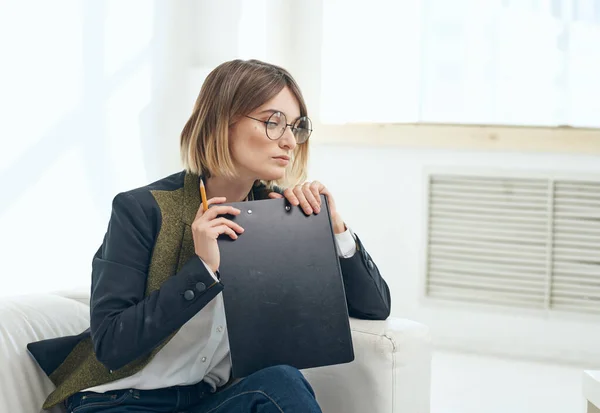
{"x":191,"y":198}
{"x":191,"y":203}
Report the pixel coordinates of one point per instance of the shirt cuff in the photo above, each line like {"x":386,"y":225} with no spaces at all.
{"x":209,"y":270}
{"x":346,"y":244}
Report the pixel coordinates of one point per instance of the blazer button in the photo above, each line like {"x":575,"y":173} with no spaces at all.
{"x":188,"y":295}
{"x":370,"y":264}
{"x":200,"y":286}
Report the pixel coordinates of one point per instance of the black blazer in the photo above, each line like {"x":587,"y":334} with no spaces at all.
{"x":126,"y":324}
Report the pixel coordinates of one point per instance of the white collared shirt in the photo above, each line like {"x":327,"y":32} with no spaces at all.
{"x":200,"y":349}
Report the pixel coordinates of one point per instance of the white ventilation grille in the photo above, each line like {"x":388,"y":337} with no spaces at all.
{"x":514,"y":241}
{"x":576,"y":262}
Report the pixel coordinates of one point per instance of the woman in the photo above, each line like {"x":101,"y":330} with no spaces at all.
{"x":158,"y":341}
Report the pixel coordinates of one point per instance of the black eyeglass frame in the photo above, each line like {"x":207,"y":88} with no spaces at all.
{"x":291,"y":125}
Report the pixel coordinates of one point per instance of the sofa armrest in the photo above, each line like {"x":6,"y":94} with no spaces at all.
{"x":25,"y":319}
{"x":390,"y":373}
{"x":81,"y":295}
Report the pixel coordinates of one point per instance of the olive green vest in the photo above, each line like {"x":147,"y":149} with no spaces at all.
{"x":174,"y":246}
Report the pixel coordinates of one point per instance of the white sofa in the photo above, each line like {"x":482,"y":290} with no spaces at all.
{"x":391,"y":372}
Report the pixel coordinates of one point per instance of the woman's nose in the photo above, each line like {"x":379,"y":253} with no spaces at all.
{"x":287,"y":140}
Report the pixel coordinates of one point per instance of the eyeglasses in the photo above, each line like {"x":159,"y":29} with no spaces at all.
{"x":276,"y":123}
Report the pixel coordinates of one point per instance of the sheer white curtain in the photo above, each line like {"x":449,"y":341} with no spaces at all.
{"x":84,"y":102}
{"x":93,"y":96}
{"x":514,"y":62}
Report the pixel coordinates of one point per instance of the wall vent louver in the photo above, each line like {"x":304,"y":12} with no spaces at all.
{"x":514,"y":241}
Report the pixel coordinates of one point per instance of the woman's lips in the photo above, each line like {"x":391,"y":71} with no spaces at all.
{"x":282,"y":160}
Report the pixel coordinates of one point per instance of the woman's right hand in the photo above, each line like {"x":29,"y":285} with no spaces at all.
{"x":207,"y":227}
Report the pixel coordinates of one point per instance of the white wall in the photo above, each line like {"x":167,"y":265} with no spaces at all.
{"x":380,"y":191}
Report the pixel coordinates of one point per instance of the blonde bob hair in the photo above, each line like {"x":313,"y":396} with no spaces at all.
{"x":232,"y":90}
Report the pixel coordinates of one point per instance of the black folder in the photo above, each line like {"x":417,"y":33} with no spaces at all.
{"x":283,"y":291}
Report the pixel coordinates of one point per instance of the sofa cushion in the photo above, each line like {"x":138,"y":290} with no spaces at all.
{"x":24,"y":319}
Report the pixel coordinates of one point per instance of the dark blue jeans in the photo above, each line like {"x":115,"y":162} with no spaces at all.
{"x":279,"y":389}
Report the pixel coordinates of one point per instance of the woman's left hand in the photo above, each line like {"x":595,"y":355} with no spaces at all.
{"x":308,"y":197}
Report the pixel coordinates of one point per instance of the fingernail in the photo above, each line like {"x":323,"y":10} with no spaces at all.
{"x":310,"y":211}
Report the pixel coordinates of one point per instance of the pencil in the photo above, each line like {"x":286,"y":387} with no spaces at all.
{"x":203,"y":194}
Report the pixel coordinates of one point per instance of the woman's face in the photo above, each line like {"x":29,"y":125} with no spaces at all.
{"x":254,"y":155}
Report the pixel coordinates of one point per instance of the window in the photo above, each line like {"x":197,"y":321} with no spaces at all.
{"x":505,"y":62}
